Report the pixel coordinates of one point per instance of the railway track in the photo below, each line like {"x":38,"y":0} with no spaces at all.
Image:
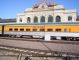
{"x":64,"y":47}
{"x":41,"y":40}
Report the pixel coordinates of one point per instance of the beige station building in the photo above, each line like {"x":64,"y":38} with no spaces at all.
{"x":43,"y":13}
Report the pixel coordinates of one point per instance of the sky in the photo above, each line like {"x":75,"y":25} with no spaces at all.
{"x":10,"y":8}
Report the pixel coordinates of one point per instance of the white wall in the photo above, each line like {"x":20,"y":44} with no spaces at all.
{"x":62,"y":13}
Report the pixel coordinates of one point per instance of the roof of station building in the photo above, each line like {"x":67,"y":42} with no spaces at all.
{"x":7,"y":20}
{"x":45,"y":6}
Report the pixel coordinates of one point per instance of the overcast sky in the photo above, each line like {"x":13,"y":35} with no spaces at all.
{"x":9,"y":8}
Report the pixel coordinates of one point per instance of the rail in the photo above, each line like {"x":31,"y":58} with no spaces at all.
{"x":42,"y":48}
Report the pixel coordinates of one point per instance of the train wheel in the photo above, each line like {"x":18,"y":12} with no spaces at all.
{"x":18,"y":36}
{"x":13,"y":36}
{"x":75,"y":39}
{"x":69,"y":38}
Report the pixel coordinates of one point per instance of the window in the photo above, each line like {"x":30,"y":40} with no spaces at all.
{"x":42,"y":19}
{"x":21,"y":29}
{"x":35,"y":19}
{"x":34,"y":29}
{"x":28,"y":20}
{"x":69,"y":29}
{"x":27,"y":29}
{"x":42,"y":30}
{"x":65,"y":30}
{"x":20,"y":19}
{"x":15,"y":29}
{"x":69,"y":18}
{"x":58,"y":19}
{"x":58,"y":30}
{"x":49,"y":30}
{"x":10,"y":29}
{"x":50,"y":18}
{"x":77,"y":19}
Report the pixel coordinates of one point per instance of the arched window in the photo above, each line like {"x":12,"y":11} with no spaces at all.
{"x":42,"y":19}
{"x":20,"y":19}
{"x":69,"y":18}
{"x":58,"y":19}
{"x":50,"y":18}
{"x":35,"y":19}
{"x":28,"y":20}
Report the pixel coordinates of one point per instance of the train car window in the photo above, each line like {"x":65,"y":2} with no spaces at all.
{"x":49,"y":30}
{"x":16,"y":29}
{"x":27,"y":29}
{"x":69,"y":30}
{"x":65,"y":30}
{"x":42,"y":29}
{"x":22,"y":29}
{"x":10,"y":29}
{"x":34,"y":29}
{"x":58,"y":30}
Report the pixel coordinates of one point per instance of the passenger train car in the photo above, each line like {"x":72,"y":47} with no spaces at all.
{"x":68,"y":31}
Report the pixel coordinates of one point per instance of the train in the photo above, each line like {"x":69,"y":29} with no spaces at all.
{"x":64,"y":31}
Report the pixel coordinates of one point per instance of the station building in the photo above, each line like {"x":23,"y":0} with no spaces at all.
{"x":44,"y":13}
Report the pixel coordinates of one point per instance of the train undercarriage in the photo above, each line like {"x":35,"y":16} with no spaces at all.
{"x":44,"y":35}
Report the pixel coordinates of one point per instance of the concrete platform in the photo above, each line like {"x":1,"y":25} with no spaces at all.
{"x":63,"y":48}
